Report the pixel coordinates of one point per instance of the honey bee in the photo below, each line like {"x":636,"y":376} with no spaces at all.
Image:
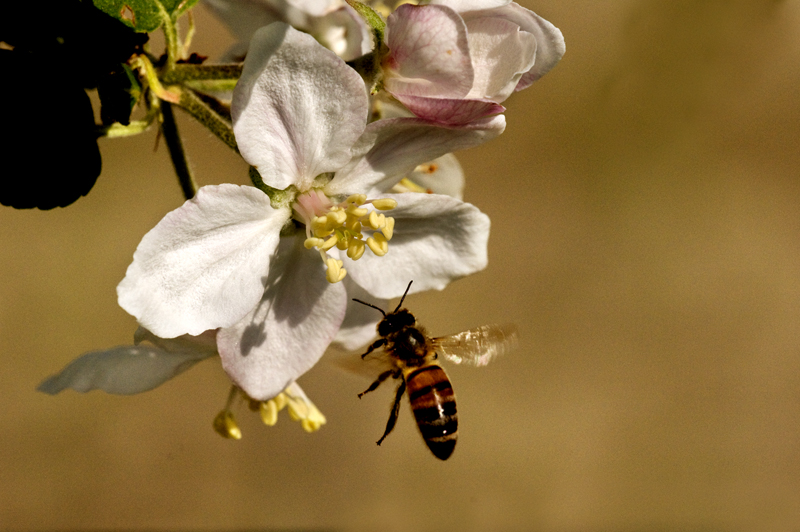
{"x":413,"y":356}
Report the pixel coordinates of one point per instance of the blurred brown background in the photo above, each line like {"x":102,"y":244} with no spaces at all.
{"x":645,"y":202}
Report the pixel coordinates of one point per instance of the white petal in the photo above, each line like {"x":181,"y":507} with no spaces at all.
{"x":202,"y":266}
{"x":203,"y":343}
{"x":443,"y":175}
{"x":501,"y":54}
{"x":437,"y":239}
{"x":291,"y":327}
{"x":360,"y":321}
{"x":338,"y":27}
{"x":549,"y":40}
{"x":317,"y":8}
{"x":391,"y":148}
{"x":122,"y":370}
{"x":343,"y":31}
{"x":297,"y":109}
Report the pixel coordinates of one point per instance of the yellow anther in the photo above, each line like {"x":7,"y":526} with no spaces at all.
{"x":345,"y":225}
{"x":310,"y":418}
{"x":336,"y":217}
{"x":358,"y":199}
{"x":358,"y":212}
{"x":354,"y":225}
{"x":335,"y":272}
{"x":310,"y":426}
{"x":322,"y":232}
{"x":376,"y":220}
{"x":313,"y":242}
{"x":388,"y":229}
{"x":356,"y":249}
{"x":406,"y":185}
{"x":269,"y":412}
{"x":297,"y":410}
{"x":384,"y":204}
{"x":280,"y":401}
{"x":378,"y":244}
{"x":225,"y":425}
{"x":319,"y":222}
{"x":328,"y":244}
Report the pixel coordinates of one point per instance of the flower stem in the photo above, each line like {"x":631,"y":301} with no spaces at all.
{"x":170,"y":36}
{"x":201,"y":112}
{"x":187,"y":72}
{"x":176,"y":151}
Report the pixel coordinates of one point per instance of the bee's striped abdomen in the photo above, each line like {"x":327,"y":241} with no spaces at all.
{"x":434,"y":405}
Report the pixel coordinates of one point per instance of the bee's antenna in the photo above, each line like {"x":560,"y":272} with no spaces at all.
{"x":404,"y":295}
{"x":371,"y":305}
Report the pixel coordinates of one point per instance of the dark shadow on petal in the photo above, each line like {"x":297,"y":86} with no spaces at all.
{"x":302,"y":284}
{"x":253,"y":336}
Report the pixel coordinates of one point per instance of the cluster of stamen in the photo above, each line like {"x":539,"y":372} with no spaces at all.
{"x":296,"y":402}
{"x":344,"y":226}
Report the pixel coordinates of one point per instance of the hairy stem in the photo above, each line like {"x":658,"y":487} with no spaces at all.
{"x":201,"y":112}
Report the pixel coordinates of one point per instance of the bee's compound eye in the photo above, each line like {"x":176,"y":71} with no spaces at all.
{"x":385,"y":327}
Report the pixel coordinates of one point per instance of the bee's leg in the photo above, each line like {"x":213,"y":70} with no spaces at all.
{"x":380,"y":342}
{"x":382,"y":377}
{"x":395,"y":410}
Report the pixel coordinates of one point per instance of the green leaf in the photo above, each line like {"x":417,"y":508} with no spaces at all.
{"x":373,"y":20}
{"x":144,"y":15}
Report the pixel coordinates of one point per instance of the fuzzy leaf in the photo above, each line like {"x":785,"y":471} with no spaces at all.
{"x":144,"y":15}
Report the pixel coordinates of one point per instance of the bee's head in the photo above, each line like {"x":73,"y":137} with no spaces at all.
{"x":396,"y":321}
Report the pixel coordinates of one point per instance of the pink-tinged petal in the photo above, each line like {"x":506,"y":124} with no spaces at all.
{"x":549,"y":40}
{"x":202,"y":266}
{"x":297,"y":109}
{"x":470,"y":5}
{"x":122,"y":370}
{"x":452,"y":112}
{"x":391,"y":148}
{"x":501,"y":54}
{"x":437,"y":239}
{"x":429,"y":52}
{"x":289,"y":330}
{"x":360,"y":321}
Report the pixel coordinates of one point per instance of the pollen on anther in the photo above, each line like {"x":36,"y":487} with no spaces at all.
{"x":388,"y":229}
{"x":335,"y":271}
{"x":384,"y":204}
{"x":350,"y":226}
{"x":375,"y":220}
{"x":356,"y":249}
{"x":269,"y":412}
{"x":378,"y":245}
{"x":313,"y":242}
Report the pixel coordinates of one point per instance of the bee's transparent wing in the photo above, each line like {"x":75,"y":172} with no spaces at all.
{"x":371,"y":366}
{"x":478,"y":346}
